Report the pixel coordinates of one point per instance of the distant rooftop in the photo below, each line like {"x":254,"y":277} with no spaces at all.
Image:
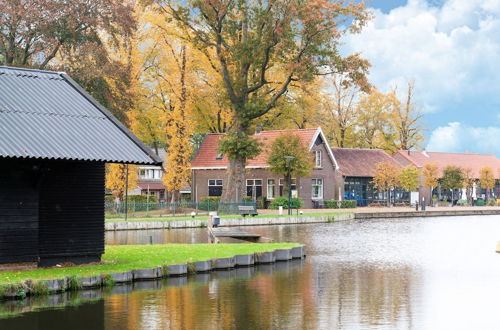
{"x":360,"y":162}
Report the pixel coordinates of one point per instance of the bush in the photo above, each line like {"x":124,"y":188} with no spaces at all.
{"x":497,"y":202}
{"x":283,"y":201}
{"x":109,"y":199}
{"x":480,"y":202}
{"x":209,"y":203}
{"x":142,"y":199}
{"x":463,"y":202}
{"x":345,"y":204}
{"x":491,"y":202}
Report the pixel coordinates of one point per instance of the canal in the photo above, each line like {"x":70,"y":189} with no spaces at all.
{"x":429,"y":273}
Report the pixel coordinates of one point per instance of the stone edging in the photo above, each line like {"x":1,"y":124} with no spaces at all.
{"x":414,"y":214}
{"x":247,"y":221}
{"x":43,"y":287}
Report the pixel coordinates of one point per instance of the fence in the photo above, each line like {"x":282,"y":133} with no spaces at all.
{"x":140,"y":210}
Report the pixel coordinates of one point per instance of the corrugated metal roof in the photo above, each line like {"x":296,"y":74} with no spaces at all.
{"x":46,"y":115}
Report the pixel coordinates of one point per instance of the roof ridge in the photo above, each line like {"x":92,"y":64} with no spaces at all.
{"x":367,"y":149}
{"x":16,"y":68}
{"x":446,"y":152}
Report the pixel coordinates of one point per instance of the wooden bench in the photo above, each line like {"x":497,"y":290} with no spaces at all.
{"x":247,"y":210}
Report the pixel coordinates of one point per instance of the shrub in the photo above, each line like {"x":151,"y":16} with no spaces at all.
{"x":109,"y":199}
{"x":209,"y":203}
{"x":491,"y":202}
{"x":497,"y":202}
{"x":345,"y":204}
{"x":463,"y":202}
{"x":283,"y":201}
{"x":480,"y":202}
{"x":142,"y":199}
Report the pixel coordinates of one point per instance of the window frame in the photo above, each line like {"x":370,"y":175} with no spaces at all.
{"x":273,"y":189}
{"x":318,"y":158}
{"x":314,"y":183}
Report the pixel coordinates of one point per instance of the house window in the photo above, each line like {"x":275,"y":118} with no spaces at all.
{"x":294,"y":186}
{"x":219,"y":156}
{"x":142,"y":173}
{"x":270,"y":188}
{"x":214,"y":187}
{"x":317,"y":158}
{"x":254,"y":188}
{"x":317,"y":188}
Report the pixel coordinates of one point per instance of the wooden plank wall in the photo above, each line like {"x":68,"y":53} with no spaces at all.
{"x":72,"y":213}
{"x":18,"y":211}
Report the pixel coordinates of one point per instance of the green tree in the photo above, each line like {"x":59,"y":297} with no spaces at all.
{"x":386,"y":177}
{"x":301,"y":163}
{"x":453,"y":178}
{"x":408,"y":178}
{"x":258,"y":49}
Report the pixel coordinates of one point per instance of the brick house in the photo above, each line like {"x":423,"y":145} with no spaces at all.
{"x":356,"y":170}
{"x":209,"y":170}
{"x":443,"y":159}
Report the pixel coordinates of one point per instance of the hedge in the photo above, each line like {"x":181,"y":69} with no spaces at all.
{"x":142,"y":199}
{"x":345,"y":204}
{"x":283,"y":201}
{"x":209,"y":203}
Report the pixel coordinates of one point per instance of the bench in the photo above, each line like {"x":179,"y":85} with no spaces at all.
{"x":247,"y":210}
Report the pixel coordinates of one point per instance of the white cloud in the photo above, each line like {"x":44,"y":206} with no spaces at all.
{"x":452,"y":51}
{"x":457,"y":137}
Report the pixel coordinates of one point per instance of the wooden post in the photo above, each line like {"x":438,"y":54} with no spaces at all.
{"x":126,"y":192}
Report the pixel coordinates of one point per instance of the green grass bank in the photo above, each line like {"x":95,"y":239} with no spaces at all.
{"x":124,"y":258}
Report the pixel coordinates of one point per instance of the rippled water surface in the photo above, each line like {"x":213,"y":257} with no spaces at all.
{"x":433,"y":273}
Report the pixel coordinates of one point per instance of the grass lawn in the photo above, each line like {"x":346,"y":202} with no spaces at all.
{"x":170,"y":218}
{"x":122,"y":258}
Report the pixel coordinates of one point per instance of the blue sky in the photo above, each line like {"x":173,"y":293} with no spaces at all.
{"x":451,"y":48}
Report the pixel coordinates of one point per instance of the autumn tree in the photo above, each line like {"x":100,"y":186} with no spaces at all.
{"x":374,"y":127}
{"x":487,"y":179}
{"x":386,"y":177}
{"x":431,"y":176}
{"x":32,"y":32}
{"x":452,"y":179}
{"x":247,"y":41}
{"x":406,"y":119}
{"x":116,"y":175}
{"x":341,"y":104}
{"x":299,"y":164}
{"x":408,"y":178}
{"x":469,"y":181}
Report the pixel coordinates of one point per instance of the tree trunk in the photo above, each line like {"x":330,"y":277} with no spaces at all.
{"x":234,"y":189}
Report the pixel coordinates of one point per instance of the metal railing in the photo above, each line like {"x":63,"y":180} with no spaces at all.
{"x":150,"y":210}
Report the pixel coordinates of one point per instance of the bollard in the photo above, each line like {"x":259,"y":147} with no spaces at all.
{"x":416,"y":206}
{"x":151,"y":240}
{"x":423,"y":204}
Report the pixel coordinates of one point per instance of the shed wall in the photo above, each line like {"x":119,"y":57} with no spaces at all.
{"x":72,"y":213}
{"x":18,"y":211}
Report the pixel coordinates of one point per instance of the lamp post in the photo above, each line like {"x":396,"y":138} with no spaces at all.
{"x":289,"y":176}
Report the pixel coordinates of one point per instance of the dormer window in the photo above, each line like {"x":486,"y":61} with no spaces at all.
{"x":219,"y":157}
{"x":317,"y":158}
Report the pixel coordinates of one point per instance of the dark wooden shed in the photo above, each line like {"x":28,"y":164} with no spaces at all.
{"x":54,"y":142}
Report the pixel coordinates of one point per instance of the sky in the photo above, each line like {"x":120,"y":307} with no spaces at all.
{"x":451,"y":49}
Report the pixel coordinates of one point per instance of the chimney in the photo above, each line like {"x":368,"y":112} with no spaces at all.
{"x":258,"y":129}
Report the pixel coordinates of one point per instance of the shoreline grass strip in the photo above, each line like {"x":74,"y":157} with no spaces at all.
{"x":124,"y":258}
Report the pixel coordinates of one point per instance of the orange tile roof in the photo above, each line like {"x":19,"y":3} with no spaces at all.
{"x":360,"y":162}
{"x":207,"y":154}
{"x":443,"y":159}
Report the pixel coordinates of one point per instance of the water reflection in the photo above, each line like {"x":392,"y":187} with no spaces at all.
{"x":439,"y":273}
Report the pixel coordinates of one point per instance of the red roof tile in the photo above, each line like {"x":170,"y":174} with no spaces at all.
{"x":207,"y":155}
{"x":360,"y":162}
{"x":443,"y":159}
